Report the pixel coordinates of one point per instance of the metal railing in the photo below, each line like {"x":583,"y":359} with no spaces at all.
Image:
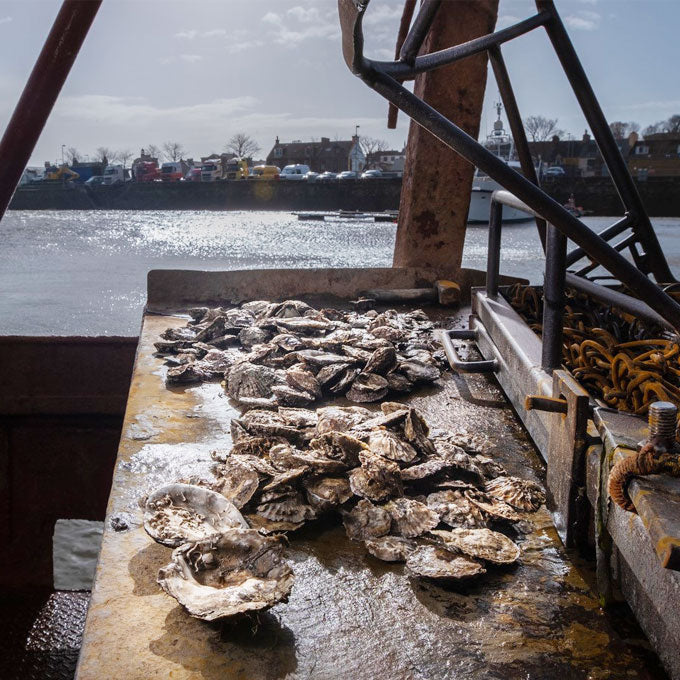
{"x":385,"y":77}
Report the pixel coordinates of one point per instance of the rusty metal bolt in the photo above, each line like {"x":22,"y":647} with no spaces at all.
{"x":663,"y":417}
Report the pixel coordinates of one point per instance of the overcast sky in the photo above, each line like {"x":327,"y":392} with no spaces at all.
{"x":197,"y":71}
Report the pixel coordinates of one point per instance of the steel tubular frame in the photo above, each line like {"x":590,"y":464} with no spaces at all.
{"x":383,"y":77}
{"x":41,"y":91}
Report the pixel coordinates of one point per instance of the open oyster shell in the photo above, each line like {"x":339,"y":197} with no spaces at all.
{"x":484,"y":544}
{"x":177,"y":513}
{"x":520,"y":493}
{"x":440,"y":564}
{"x":236,"y":572}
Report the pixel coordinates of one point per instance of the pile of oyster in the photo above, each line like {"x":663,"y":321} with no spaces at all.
{"x":290,"y":354}
{"x":409,"y":494}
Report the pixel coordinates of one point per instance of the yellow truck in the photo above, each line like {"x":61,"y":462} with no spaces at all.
{"x":236,"y":168}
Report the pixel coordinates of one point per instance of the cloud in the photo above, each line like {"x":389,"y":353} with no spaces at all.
{"x":214,"y":33}
{"x":300,"y":24}
{"x":111,"y":110}
{"x":5,"y":20}
{"x":187,"y":35}
{"x":382,"y":13}
{"x":190,"y":58}
{"x":583,"y":20}
{"x":272,"y":18}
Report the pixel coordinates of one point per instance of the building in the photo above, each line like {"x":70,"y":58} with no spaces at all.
{"x":390,"y":160}
{"x":657,"y":155}
{"x":321,"y":156}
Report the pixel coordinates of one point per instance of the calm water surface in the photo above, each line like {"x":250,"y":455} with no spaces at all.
{"x":84,"y":273}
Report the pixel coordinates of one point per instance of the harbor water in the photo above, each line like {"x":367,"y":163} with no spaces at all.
{"x":84,"y":272}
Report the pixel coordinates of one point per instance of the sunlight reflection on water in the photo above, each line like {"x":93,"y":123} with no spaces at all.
{"x":84,"y":272}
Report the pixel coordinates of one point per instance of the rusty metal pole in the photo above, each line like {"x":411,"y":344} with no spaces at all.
{"x":435,"y":194}
{"x":41,"y":91}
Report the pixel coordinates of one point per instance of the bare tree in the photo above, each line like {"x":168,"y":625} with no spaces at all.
{"x":124,"y":156}
{"x":673,"y":123}
{"x":622,"y":130}
{"x":653,"y":129}
{"x":173,"y":150}
{"x":155,"y":152}
{"x":372,"y":145}
{"x":242,"y":145}
{"x":541,"y":129}
{"x":71,"y":155}
{"x":104,"y":155}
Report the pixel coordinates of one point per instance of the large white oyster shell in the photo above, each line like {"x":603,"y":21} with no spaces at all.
{"x":178,"y":513}
{"x":239,"y":571}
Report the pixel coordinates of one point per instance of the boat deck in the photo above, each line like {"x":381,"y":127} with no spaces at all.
{"x":349,"y":615}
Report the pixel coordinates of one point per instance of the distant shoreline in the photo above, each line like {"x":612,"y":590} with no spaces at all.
{"x":596,"y":195}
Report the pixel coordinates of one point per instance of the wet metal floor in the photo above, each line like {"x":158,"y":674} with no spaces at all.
{"x":349,"y":615}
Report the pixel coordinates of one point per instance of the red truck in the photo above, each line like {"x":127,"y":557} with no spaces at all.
{"x":145,"y":171}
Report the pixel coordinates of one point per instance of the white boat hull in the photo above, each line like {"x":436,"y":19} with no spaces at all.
{"x":480,"y":206}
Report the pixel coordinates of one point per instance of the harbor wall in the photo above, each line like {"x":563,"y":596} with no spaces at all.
{"x":596,"y":195}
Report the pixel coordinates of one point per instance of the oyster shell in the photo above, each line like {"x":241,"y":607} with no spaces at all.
{"x":303,"y":380}
{"x":254,"y":446}
{"x":238,"y":571}
{"x":339,"y":446}
{"x":519,"y":493}
{"x":236,"y":481}
{"x":484,"y":544}
{"x":389,"y":445}
{"x":340,"y":418}
{"x":330,"y":374}
{"x":301,"y":418}
{"x":267,"y":526}
{"x":366,"y":520}
{"x":390,"y":548}
{"x":289,"y":396}
{"x":493,"y":507}
{"x":455,"y":509}
{"x":286,"y":457}
{"x":286,"y":508}
{"x":251,"y":380}
{"x":324,"y":493}
{"x":398,"y":382}
{"x":367,"y":387}
{"x":347,"y":378}
{"x":418,"y":371}
{"x":411,"y":518}
{"x":187,"y":374}
{"x":429,"y":468}
{"x":440,"y":564}
{"x":253,"y":335}
{"x":177,"y":513}
{"x":258,"y":422}
{"x":377,"y":479}
{"x":381,"y":361}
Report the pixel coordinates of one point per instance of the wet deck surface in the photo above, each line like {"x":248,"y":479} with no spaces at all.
{"x":349,"y":615}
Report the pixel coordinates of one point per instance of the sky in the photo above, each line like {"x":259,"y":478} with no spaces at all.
{"x":199,"y":71}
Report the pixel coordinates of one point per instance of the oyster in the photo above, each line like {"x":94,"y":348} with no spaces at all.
{"x":288,"y":309}
{"x":303,"y":380}
{"x":284,"y":478}
{"x":267,"y":526}
{"x":289,"y":396}
{"x":484,"y":544}
{"x":418,"y":371}
{"x":389,"y":445}
{"x":390,"y":548}
{"x":287,"y":507}
{"x":489,"y":467}
{"x":254,"y":446}
{"x":236,"y":481}
{"x":367,"y":387}
{"x":366,"y":520}
{"x":251,"y":380}
{"x":263,"y":423}
{"x":324,"y":493}
{"x":440,"y":564}
{"x":381,"y":361}
{"x":330,"y":374}
{"x":398,"y":382}
{"x":519,"y":493}
{"x":411,"y":518}
{"x":429,"y":468}
{"x":339,"y":446}
{"x":377,"y":479}
{"x":493,"y":507}
{"x":238,"y":571}
{"x":286,"y":457}
{"x":177,"y":513}
{"x":187,"y":374}
{"x":455,"y":509}
{"x":347,"y":378}
{"x":340,"y":418}
{"x":253,"y":335}
{"x":301,"y":418}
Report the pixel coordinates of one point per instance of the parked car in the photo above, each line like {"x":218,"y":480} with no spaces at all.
{"x":554,"y":171}
{"x":265,"y":172}
{"x":95,"y":181}
{"x":194,"y":175}
{"x":294,"y":172}
{"x":348,"y":174}
{"x":371,"y":174}
{"x":326,"y":176}
{"x":312,"y":176}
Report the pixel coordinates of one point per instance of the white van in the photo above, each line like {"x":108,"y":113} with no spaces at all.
{"x":294,"y":172}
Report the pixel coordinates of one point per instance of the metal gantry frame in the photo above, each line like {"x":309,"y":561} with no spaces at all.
{"x":385,"y":77}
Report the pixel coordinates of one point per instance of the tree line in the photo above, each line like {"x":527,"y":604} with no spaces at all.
{"x":240,"y":144}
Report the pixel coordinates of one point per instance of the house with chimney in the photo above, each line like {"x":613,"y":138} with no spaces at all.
{"x":389,"y":160}
{"x":657,"y":155}
{"x":321,"y":156}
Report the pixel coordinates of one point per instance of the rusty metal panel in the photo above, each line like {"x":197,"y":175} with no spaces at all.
{"x":435,"y":194}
